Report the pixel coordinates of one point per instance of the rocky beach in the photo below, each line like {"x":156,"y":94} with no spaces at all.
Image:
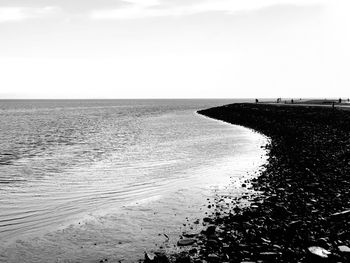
{"x":299,"y":202}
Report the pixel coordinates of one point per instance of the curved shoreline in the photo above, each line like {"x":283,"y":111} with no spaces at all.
{"x":303,"y":212}
{"x":179,"y":201}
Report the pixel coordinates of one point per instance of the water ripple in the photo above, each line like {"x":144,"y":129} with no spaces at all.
{"x":62,"y":162}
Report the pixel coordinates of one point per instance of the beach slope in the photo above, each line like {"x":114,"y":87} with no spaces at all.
{"x":303,"y":213}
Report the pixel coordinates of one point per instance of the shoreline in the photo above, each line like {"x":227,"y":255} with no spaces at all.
{"x":125,"y":230}
{"x":302,"y":211}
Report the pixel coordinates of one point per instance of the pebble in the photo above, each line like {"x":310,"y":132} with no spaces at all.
{"x":344,"y":249}
{"x":186,"y":242}
{"x":213,"y":258}
{"x":210,"y":230}
{"x":189,"y":234}
{"x":206,"y":219}
{"x":340,"y":214}
{"x":319,"y":251}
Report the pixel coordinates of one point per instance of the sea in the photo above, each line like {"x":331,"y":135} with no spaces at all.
{"x":92,"y":180}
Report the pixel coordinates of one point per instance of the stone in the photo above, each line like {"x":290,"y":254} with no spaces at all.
{"x":213,"y":258}
{"x":183,"y":258}
{"x":340,"y":214}
{"x":186,"y":242}
{"x":212,"y":243}
{"x":189,"y":234}
{"x":193,"y":251}
{"x":149,"y":257}
{"x":269,"y":255}
{"x":323,"y":242}
{"x":158,"y":257}
{"x":344,"y":249}
{"x":319,"y":251}
{"x":210,"y":230}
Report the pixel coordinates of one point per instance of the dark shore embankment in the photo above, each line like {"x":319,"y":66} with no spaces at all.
{"x":303,"y":211}
{"x":305,"y":199}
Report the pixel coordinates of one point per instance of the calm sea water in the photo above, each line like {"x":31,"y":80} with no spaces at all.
{"x":85,"y":180}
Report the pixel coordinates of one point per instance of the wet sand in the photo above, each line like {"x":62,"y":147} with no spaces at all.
{"x":299,"y":210}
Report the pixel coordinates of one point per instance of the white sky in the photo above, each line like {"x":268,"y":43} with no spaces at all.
{"x":174,"y":48}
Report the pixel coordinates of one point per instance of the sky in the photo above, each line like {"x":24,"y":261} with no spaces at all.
{"x":174,"y":48}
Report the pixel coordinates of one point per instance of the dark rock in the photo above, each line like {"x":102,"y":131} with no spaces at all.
{"x":207,"y":220}
{"x":186,"y":242}
{"x":269,"y":255}
{"x":213,"y":258}
{"x":190,"y":234}
{"x":210,"y":230}
{"x":212,"y":243}
{"x":323,"y":242}
{"x":183,"y":258}
{"x":193,"y":251}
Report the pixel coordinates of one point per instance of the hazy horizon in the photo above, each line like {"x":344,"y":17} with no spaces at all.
{"x":174,"y":49}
